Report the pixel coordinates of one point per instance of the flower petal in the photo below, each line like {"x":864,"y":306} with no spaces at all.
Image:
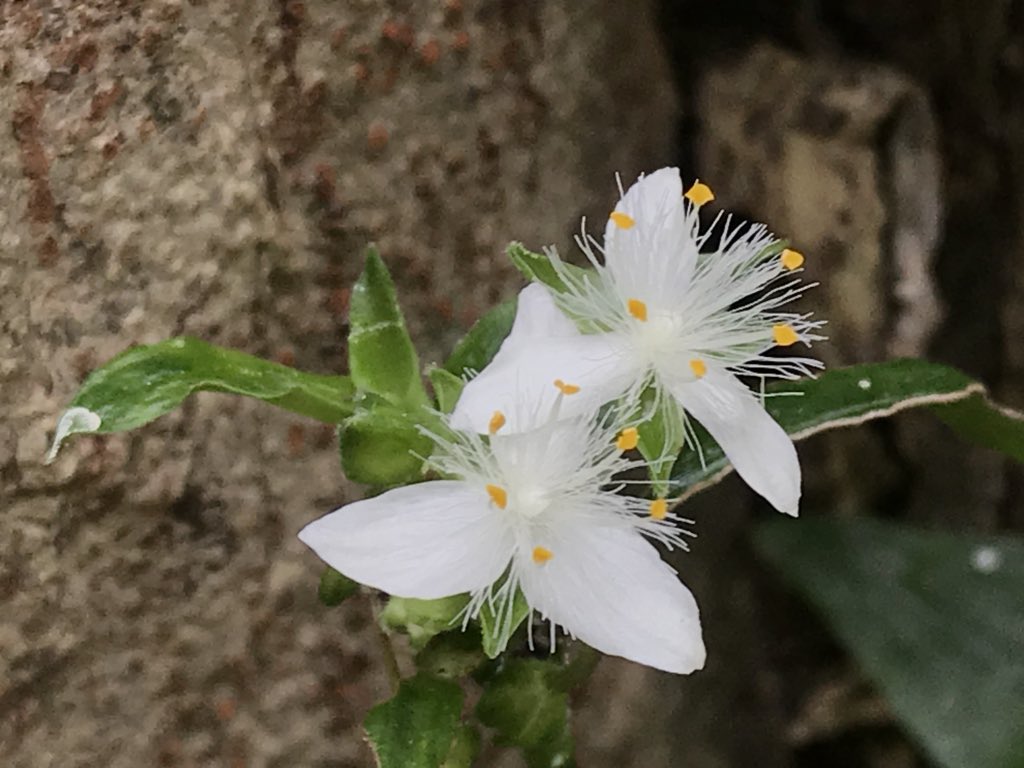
{"x":608,"y":587}
{"x":427,"y":541}
{"x":653,"y":259}
{"x":544,"y":347}
{"x":760,"y":450}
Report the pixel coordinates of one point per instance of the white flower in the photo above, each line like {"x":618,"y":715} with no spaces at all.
{"x":660,"y":313}
{"x":536,"y":511}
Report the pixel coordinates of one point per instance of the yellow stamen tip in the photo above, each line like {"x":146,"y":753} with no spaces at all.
{"x":622,"y":220}
{"x":699,"y":194}
{"x":627,"y":439}
{"x":637,"y":309}
{"x":566,"y":389}
{"x":498,"y":495}
{"x":699,"y":367}
{"x":541,"y":555}
{"x":791,"y":259}
{"x":659,"y":509}
{"x":497,"y":422}
{"x":784,"y":335}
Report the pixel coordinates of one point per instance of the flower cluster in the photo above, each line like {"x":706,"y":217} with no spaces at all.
{"x":532,"y":458}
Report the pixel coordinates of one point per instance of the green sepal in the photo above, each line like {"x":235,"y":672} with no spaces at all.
{"x":495,"y":632}
{"x":381,"y":356}
{"x":478,"y":347}
{"x":382,"y":446}
{"x":422,"y":619}
{"x":447,"y":388}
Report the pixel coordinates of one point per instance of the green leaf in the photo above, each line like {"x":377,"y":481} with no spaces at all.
{"x":447,"y":388}
{"x":527,"y":703}
{"x":464,"y":748}
{"x":422,"y":619}
{"x":497,"y":630}
{"x":380,"y":353}
{"x":335,"y":588}
{"x":850,"y":396}
{"x":480,"y":345}
{"x":416,"y":728}
{"x":143,"y":383}
{"x":935,"y":619}
{"x":382,"y":446}
{"x":660,"y":438}
{"x":451,"y":654}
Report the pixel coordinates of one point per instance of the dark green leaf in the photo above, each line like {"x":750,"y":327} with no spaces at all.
{"x":452,"y":654}
{"x":850,"y":396}
{"x":497,"y":630}
{"x":335,"y":588}
{"x":380,"y":354}
{"x":526,"y":702}
{"x":382,"y":446}
{"x":422,"y":619}
{"x":416,"y":728}
{"x":937,"y":620}
{"x":537,"y":266}
{"x":143,"y":383}
{"x":447,"y":388}
{"x":480,"y":345}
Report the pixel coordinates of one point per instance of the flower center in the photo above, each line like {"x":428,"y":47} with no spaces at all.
{"x":530,"y":502}
{"x":657,"y":337}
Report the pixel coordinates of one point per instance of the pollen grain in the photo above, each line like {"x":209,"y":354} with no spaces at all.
{"x":498,"y":495}
{"x":622,"y":220}
{"x":791,"y":259}
{"x":784,"y":335}
{"x":566,"y":389}
{"x":699,"y":194}
{"x":541,"y":555}
{"x":627,"y":439}
{"x":659,"y":509}
{"x":637,"y":309}
{"x":497,"y":422}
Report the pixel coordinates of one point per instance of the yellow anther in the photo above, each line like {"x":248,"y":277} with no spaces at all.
{"x":659,"y":509}
{"x":498,"y":495}
{"x":699,"y":367}
{"x":497,"y":422}
{"x":637,"y":309}
{"x":541,"y":555}
{"x":627,"y":439}
{"x":784,"y":335}
{"x":566,"y":389}
{"x":791,"y":259}
{"x":622,"y":220}
{"x":699,"y":194}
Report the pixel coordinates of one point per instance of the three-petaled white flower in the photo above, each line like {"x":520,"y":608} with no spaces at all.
{"x":536,"y":511}
{"x":657,"y":312}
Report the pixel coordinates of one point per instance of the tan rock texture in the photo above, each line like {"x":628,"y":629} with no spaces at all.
{"x":216,"y":169}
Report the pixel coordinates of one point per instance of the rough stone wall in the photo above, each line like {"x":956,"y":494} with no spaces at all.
{"x":216,"y":168}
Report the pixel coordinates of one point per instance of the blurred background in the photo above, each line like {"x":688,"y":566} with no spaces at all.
{"x":216,"y":169}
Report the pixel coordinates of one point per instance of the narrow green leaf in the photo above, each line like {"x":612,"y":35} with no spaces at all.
{"x":480,"y":345}
{"x":335,"y":588}
{"x":936,"y":620}
{"x":447,"y":388}
{"x":422,"y":619}
{"x":850,"y":396}
{"x":143,"y":383}
{"x":537,"y":266}
{"x":527,"y":703}
{"x":382,"y":446}
{"x":380,"y":353}
{"x":497,"y":630}
{"x":452,"y":654}
{"x":417,"y":728}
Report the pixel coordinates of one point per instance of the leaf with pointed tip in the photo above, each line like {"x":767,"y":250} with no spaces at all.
{"x":146,"y":382}
{"x":846,"y":397}
{"x":497,"y":630}
{"x":381,"y":357}
{"x":935,"y":619}
{"x":447,"y":388}
{"x":478,"y":347}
